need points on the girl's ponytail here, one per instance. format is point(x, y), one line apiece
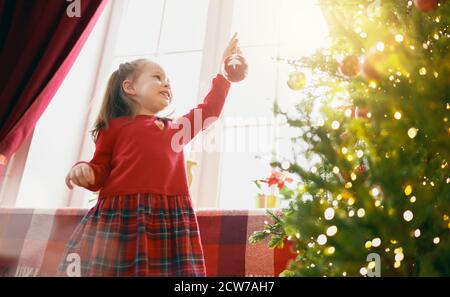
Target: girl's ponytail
point(115, 103)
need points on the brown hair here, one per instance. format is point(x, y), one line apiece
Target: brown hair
point(115, 103)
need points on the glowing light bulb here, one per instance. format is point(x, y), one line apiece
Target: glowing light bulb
point(412, 132)
point(408, 215)
point(408, 190)
point(361, 212)
point(380, 46)
point(399, 37)
point(335, 170)
point(332, 230)
point(363, 271)
point(329, 213)
point(335, 125)
point(321, 239)
point(376, 242)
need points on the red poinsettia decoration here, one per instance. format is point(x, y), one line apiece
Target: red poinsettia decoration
point(276, 178)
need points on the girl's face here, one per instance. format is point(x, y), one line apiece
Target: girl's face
point(151, 88)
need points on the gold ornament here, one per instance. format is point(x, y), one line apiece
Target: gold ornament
point(297, 80)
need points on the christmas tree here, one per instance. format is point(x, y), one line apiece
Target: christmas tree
point(374, 118)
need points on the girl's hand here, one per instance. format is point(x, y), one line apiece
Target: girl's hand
point(81, 175)
point(232, 47)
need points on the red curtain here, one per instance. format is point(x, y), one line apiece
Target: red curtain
point(39, 43)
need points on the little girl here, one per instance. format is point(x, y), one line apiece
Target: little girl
point(143, 223)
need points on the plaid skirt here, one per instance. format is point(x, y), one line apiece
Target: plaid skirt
point(140, 234)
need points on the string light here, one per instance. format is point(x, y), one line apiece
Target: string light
point(408, 215)
point(375, 192)
point(335, 125)
point(399, 37)
point(363, 271)
point(397, 115)
point(335, 170)
point(329, 213)
point(359, 153)
point(408, 190)
point(361, 212)
point(412, 132)
point(376, 242)
point(329, 251)
point(332, 230)
point(322, 239)
point(399, 257)
point(436, 240)
point(380, 46)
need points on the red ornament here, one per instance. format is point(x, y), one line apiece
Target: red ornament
point(361, 169)
point(235, 68)
point(350, 66)
point(426, 5)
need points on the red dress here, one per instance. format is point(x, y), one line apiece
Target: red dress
point(143, 223)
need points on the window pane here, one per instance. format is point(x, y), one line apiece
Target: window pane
point(254, 96)
point(140, 27)
point(256, 22)
point(184, 25)
point(302, 27)
point(183, 70)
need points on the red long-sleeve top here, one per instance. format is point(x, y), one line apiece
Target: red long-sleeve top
point(135, 155)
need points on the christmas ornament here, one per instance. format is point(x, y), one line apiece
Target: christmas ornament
point(361, 169)
point(350, 66)
point(235, 68)
point(361, 112)
point(297, 80)
point(426, 5)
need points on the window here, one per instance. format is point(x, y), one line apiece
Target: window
point(185, 37)
point(268, 29)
